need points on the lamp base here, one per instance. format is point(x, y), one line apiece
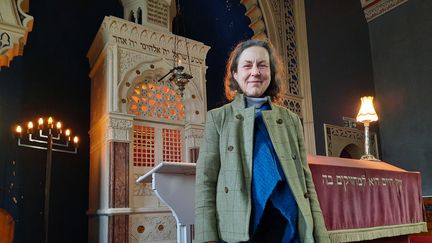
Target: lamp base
point(369, 157)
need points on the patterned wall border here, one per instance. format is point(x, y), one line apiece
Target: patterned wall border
point(375, 8)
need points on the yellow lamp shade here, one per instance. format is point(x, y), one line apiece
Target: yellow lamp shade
point(367, 111)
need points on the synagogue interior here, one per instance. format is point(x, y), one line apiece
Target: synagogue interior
point(104, 91)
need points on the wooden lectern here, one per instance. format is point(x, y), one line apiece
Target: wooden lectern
point(174, 184)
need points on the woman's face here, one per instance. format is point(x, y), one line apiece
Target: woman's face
point(253, 71)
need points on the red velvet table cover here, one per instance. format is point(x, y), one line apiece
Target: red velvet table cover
point(364, 200)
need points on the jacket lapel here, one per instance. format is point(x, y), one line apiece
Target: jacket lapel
point(248, 116)
point(281, 130)
point(278, 128)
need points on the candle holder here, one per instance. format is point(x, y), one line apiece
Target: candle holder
point(48, 138)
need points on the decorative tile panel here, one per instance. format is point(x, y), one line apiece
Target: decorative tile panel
point(152, 228)
point(142, 189)
point(119, 175)
point(119, 129)
point(118, 228)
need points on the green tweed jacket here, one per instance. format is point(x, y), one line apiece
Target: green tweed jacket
point(224, 172)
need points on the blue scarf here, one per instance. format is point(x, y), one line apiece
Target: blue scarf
point(269, 182)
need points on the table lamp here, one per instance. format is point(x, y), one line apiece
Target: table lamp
point(367, 115)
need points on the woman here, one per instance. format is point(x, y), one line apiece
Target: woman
point(253, 183)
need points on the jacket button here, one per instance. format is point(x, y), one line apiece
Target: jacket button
point(294, 156)
point(239, 117)
point(226, 189)
point(306, 195)
point(279, 121)
point(230, 148)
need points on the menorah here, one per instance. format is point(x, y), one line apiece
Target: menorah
point(50, 139)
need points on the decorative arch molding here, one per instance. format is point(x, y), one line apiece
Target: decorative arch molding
point(351, 139)
point(14, 27)
point(283, 23)
point(154, 69)
point(253, 11)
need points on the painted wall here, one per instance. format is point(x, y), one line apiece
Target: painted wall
point(401, 43)
point(340, 62)
point(390, 58)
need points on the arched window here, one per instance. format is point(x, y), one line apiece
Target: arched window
point(132, 16)
point(139, 16)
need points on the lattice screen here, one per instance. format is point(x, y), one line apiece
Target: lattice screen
point(154, 143)
point(144, 146)
point(156, 100)
point(172, 145)
point(291, 48)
